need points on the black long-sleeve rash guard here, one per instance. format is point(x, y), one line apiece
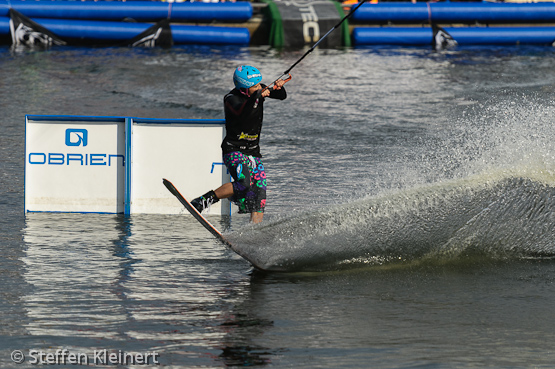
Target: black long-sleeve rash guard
point(243, 120)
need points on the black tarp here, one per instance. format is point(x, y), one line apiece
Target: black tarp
point(303, 23)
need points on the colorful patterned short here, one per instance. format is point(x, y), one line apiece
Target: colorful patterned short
point(249, 186)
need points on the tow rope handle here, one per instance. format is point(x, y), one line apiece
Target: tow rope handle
point(289, 76)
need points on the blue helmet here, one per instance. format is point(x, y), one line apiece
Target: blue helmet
point(246, 76)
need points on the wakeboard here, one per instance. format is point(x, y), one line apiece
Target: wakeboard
point(202, 220)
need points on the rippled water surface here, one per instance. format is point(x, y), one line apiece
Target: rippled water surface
point(410, 218)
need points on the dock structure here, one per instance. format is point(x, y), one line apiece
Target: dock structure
point(277, 23)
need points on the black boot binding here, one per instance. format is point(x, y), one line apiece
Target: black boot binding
point(203, 202)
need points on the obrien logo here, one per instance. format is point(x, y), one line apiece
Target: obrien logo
point(77, 137)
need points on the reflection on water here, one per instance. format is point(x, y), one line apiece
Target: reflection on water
point(103, 281)
point(65, 268)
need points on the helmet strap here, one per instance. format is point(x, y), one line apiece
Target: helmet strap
point(245, 91)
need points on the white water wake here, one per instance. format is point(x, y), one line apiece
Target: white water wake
point(488, 189)
point(505, 217)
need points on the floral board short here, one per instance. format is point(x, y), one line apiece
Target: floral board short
point(249, 182)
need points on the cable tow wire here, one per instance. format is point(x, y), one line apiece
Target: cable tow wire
point(287, 72)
